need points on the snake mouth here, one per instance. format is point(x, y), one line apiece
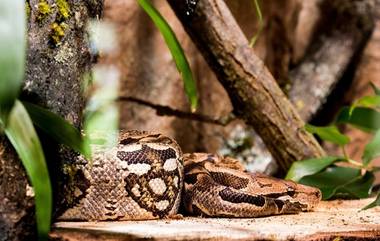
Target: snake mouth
point(309, 195)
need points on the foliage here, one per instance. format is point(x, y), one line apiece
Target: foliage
point(101, 113)
point(21, 134)
point(175, 49)
point(13, 116)
point(17, 118)
point(65, 134)
point(261, 23)
point(342, 176)
point(12, 57)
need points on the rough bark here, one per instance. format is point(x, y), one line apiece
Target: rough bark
point(277, 40)
point(333, 220)
point(54, 73)
point(16, 202)
point(343, 31)
point(254, 94)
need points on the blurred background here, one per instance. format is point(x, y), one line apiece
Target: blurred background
point(323, 54)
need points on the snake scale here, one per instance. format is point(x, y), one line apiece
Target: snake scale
point(146, 175)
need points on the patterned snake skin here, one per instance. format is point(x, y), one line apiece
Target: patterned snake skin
point(143, 178)
point(140, 178)
point(219, 187)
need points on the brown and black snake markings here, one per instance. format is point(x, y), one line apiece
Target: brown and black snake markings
point(143, 178)
point(218, 187)
point(166, 187)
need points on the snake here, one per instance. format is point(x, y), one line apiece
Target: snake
point(146, 176)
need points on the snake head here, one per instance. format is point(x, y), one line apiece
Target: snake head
point(310, 196)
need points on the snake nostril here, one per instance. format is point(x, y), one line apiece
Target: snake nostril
point(318, 194)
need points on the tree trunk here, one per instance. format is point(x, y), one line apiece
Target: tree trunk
point(55, 66)
point(254, 93)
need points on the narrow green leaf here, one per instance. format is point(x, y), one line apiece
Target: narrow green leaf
point(372, 101)
point(57, 128)
point(101, 113)
point(372, 149)
point(308, 167)
point(102, 124)
point(373, 204)
point(21, 133)
point(366, 119)
point(176, 51)
point(375, 88)
point(331, 180)
point(328, 133)
point(261, 23)
point(369, 101)
point(12, 53)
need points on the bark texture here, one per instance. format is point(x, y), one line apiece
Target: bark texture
point(54, 72)
point(254, 93)
point(343, 30)
point(16, 201)
point(333, 220)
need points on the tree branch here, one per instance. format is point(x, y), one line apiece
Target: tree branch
point(162, 110)
point(343, 31)
point(254, 93)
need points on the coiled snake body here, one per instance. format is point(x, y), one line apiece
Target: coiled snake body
point(145, 176)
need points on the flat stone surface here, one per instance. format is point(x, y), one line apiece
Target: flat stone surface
point(330, 220)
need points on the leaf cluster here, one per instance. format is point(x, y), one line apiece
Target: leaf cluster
point(341, 176)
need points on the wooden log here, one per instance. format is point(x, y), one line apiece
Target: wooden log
point(255, 95)
point(333, 220)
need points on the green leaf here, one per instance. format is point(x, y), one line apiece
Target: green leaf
point(375, 88)
point(12, 53)
point(175, 49)
point(101, 113)
point(332, 180)
point(328, 133)
point(308, 167)
point(21, 133)
point(375, 203)
point(261, 23)
point(103, 124)
point(369, 101)
point(366, 119)
point(360, 188)
point(372, 101)
point(57, 127)
point(372, 149)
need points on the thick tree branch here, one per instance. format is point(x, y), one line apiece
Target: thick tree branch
point(344, 28)
point(254, 93)
point(162, 110)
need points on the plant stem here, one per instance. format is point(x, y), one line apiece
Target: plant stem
point(261, 24)
point(345, 154)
